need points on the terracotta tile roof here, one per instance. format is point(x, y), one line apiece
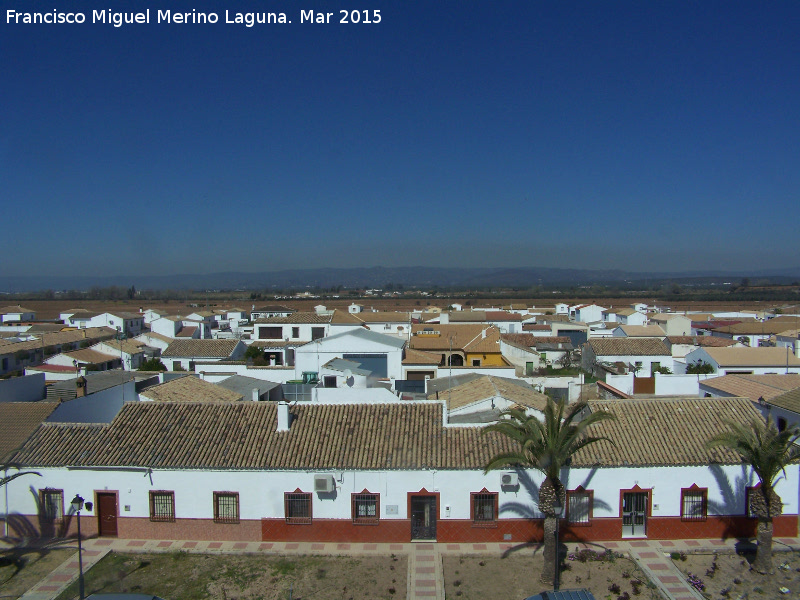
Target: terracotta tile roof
point(788, 400)
point(502, 316)
point(383, 317)
point(186, 332)
point(521, 340)
point(297, 318)
point(628, 347)
point(408, 435)
point(753, 357)
point(87, 355)
point(342, 317)
point(487, 387)
point(243, 435)
point(19, 420)
point(535, 327)
point(753, 386)
point(467, 316)
point(419, 357)
point(701, 340)
point(15, 309)
point(463, 335)
point(189, 389)
point(91, 335)
point(200, 348)
point(655, 432)
point(129, 346)
point(274, 308)
point(759, 328)
point(653, 331)
point(155, 336)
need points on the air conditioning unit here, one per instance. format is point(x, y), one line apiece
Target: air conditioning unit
point(509, 479)
point(324, 483)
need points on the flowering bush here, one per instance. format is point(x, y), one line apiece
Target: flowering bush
point(696, 582)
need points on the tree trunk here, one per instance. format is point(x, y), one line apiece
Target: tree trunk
point(765, 504)
point(763, 562)
point(548, 492)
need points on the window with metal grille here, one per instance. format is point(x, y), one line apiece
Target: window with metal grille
point(52, 502)
point(366, 508)
point(693, 504)
point(484, 508)
point(226, 507)
point(579, 507)
point(297, 506)
point(162, 506)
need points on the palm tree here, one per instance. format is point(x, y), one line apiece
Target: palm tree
point(767, 451)
point(546, 446)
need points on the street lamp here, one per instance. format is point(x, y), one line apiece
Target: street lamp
point(558, 509)
point(77, 506)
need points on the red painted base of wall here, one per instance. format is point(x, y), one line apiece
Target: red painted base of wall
point(399, 530)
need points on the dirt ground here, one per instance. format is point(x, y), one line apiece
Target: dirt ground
point(182, 576)
point(728, 576)
point(517, 577)
point(19, 572)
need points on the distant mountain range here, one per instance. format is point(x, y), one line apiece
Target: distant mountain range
point(380, 277)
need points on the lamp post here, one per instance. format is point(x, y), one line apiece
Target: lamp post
point(77, 506)
point(558, 509)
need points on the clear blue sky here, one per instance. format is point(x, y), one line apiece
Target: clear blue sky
point(634, 135)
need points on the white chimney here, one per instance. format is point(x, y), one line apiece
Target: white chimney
point(483, 333)
point(255, 395)
point(283, 416)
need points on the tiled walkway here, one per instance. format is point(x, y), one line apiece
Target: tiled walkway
point(425, 579)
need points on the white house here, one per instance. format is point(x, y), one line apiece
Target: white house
point(641, 355)
point(298, 327)
point(586, 313)
point(187, 354)
point(384, 472)
point(131, 352)
point(273, 310)
point(625, 316)
point(131, 324)
point(673, 324)
point(380, 354)
point(10, 314)
point(758, 361)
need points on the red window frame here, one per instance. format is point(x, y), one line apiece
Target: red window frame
point(482, 499)
point(694, 490)
point(365, 498)
point(297, 500)
point(585, 521)
point(167, 499)
point(233, 498)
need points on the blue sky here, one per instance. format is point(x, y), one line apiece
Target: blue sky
point(632, 135)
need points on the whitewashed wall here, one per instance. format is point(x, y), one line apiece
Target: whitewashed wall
point(261, 493)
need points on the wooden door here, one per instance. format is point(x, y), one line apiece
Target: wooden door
point(107, 514)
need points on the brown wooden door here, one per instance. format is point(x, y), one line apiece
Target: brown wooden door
point(107, 514)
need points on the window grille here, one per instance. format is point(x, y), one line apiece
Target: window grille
point(162, 506)
point(484, 507)
point(52, 504)
point(298, 507)
point(365, 508)
point(693, 506)
point(579, 506)
point(226, 507)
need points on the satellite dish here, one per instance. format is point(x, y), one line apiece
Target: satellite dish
point(348, 378)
